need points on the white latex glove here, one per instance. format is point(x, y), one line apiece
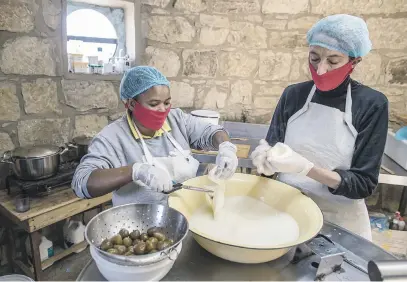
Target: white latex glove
point(153, 177)
point(259, 159)
point(226, 161)
point(284, 159)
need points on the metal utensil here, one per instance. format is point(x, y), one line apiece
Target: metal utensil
point(34, 162)
point(137, 217)
point(179, 186)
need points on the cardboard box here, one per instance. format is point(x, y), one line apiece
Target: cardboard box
point(393, 241)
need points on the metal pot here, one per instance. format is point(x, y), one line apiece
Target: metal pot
point(81, 144)
point(34, 162)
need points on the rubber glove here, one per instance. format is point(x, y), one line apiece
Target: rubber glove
point(259, 159)
point(284, 159)
point(153, 177)
point(226, 161)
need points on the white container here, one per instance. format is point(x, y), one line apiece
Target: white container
point(15, 277)
point(93, 60)
point(74, 233)
point(207, 115)
point(116, 272)
point(396, 149)
point(107, 68)
point(46, 248)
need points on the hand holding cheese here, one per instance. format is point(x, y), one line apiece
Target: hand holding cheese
point(283, 159)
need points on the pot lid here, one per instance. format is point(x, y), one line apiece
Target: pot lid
point(205, 114)
point(82, 140)
point(35, 151)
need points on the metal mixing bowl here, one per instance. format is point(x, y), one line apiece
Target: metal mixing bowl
point(136, 216)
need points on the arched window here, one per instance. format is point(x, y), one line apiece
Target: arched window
point(91, 33)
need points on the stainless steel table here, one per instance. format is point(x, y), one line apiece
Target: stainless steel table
point(250, 134)
point(196, 264)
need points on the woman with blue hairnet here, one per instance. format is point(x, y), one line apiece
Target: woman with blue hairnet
point(327, 136)
point(141, 155)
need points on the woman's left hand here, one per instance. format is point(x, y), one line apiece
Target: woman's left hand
point(286, 160)
point(226, 161)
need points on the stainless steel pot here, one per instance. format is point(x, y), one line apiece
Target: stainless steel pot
point(81, 144)
point(34, 162)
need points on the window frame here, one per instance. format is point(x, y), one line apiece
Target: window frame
point(133, 31)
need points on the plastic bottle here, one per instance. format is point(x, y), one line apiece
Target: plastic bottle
point(395, 221)
point(46, 248)
point(402, 224)
point(74, 233)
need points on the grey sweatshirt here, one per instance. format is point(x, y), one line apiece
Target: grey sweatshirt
point(115, 147)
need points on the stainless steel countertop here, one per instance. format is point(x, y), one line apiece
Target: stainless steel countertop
point(196, 264)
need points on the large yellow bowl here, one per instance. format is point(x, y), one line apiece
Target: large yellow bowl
point(274, 193)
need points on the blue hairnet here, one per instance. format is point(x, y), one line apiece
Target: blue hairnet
point(139, 79)
point(343, 33)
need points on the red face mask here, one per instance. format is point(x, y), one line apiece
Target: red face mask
point(149, 118)
point(331, 79)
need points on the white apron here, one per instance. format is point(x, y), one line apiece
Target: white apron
point(326, 137)
point(180, 165)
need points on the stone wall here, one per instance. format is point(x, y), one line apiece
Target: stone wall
point(237, 56)
point(37, 104)
point(234, 56)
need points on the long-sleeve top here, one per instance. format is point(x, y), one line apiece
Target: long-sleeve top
point(115, 146)
point(369, 117)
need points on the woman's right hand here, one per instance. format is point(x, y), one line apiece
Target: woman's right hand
point(153, 177)
point(259, 159)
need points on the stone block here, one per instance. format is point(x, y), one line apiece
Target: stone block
point(168, 62)
point(212, 36)
point(40, 96)
point(182, 94)
point(247, 35)
point(284, 6)
point(274, 65)
point(194, 6)
point(87, 95)
point(17, 15)
point(43, 131)
point(51, 12)
point(212, 95)
point(170, 29)
point(158, 3)
point(28, 56)
point(275, 24)
point(388, 33)
point(396, 71)
point(397, 99)
point(236, 6)
point(198, 63)
point(9, 106)
point(5, 143)
point(240, 93)
point(303, 23)
point(253, 18)
point(237, 63)
point(116, 116)
point(369, 70)
point(366, 7)
point(89, 125)
point(300, 66)
point(214, 20)
point(287, 39)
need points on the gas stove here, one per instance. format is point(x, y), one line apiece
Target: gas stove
point(43, 187)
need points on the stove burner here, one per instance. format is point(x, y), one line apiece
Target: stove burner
point(43, 187)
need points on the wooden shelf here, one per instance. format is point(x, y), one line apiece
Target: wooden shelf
point(48, 262)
